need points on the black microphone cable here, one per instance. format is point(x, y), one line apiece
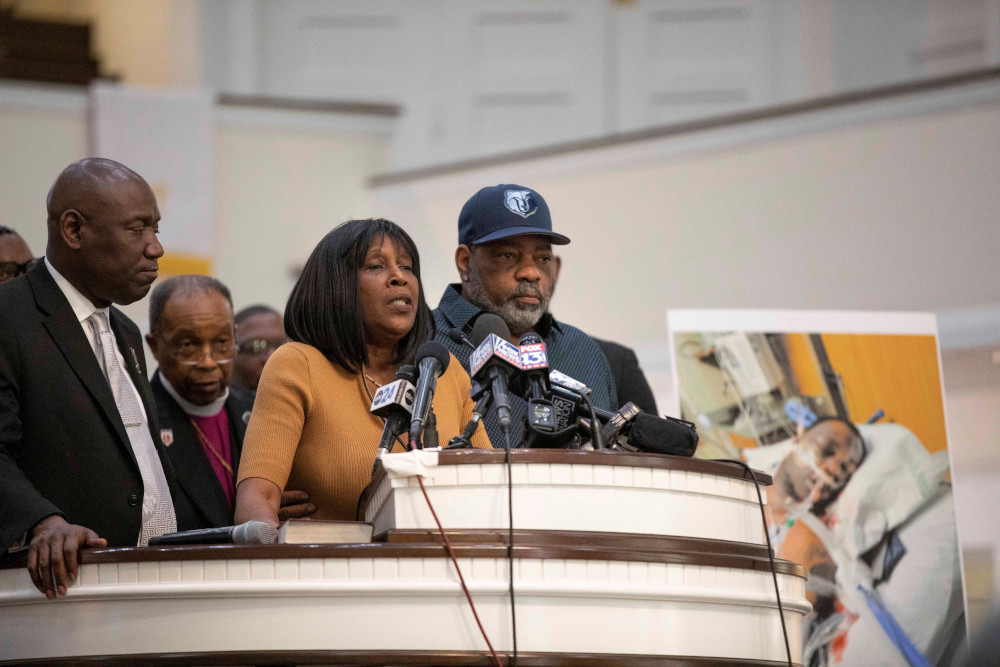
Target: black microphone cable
point(595, 426)
point(510, 544)
point(770, 551)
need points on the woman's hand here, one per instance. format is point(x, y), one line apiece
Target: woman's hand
point(257, 499)
point(295, 505)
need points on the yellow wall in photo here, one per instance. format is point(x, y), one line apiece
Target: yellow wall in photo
point(798, 347)
point(897, 374)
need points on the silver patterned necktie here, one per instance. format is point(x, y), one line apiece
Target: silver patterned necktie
point(157, 508)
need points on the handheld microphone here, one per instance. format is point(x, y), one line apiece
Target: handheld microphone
point(432, 360)
point(493, 362)
point(251, 532)
point(458, 336)
point(394, 403)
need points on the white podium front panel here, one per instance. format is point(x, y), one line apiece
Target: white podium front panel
point(574, 490)
point(396, 598)
point(617, 559)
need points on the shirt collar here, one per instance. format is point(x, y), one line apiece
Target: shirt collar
point(210, 410)
point(81, 305)
point(462, 313)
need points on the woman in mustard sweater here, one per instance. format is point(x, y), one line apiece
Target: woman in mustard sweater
point(355, 315)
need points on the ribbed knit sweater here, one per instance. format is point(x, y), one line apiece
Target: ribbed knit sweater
point(311, 428)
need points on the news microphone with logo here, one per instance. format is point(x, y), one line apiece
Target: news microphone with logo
point(251, 532)
point(394, 403)
point(493, 362)
point(567, 396)
point(572, 400)
point(541, 423)
point(432, 360)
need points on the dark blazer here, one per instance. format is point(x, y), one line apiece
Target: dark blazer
point(629, 378)
point(63, 447)
point(199, 501)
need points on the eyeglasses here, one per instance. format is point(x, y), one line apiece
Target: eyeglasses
point(10, 270)
point(260, 345)
point(191, 354)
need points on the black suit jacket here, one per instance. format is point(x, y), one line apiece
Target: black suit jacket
point(63, 446)
point(629, 378)
point(200, 501)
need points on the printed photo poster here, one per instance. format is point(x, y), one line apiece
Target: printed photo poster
point(846, 412)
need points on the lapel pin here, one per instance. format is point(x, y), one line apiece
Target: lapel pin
point(167, 436)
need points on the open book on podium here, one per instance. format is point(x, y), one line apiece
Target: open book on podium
point(308, 531)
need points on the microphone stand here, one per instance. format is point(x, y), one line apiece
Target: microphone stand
point(430, 431)
point(464, 440)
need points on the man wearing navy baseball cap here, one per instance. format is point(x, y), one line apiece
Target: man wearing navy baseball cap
point(507, 268)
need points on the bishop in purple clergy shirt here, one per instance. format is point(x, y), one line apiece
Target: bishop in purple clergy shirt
point(202, 418)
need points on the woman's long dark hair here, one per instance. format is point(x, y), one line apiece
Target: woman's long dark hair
point(324, 309)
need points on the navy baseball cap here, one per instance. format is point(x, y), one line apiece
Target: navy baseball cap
point(501, 211)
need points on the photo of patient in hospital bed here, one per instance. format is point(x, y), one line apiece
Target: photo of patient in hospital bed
point(851, 429)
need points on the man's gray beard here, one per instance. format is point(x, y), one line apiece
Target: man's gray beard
point(519, 317)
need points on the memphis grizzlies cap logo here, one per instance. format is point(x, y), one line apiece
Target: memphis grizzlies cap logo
point(521, 202)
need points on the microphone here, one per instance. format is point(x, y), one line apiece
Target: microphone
point(534, 365)
point(570, 403)
point(251, 532)
point(458, 336)
point(658, 435)
point(566, 382)
point(432, 360)
point(619, 422)
point(394, 403)
point(492, 363)
point(540, 418)
point(570, 398)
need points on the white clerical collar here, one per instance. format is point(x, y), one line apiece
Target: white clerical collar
point(210, 410)
point(81, 305)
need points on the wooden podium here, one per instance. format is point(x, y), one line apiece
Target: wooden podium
point(618, 559)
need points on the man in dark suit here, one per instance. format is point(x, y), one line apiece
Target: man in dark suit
point(203, 417)
point(79, 465)
point(630, 381)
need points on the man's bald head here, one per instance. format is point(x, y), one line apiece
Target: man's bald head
point(102, 224)
point(85, 183)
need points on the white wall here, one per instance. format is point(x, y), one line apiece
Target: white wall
point(281, 188)
point(42, 130)
point(484, 77)
point(972, 395)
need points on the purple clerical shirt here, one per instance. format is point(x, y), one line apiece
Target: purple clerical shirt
point(216, 429)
